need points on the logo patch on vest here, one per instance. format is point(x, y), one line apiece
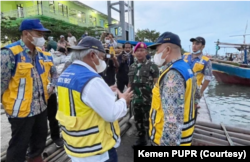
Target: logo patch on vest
point(190, 71)
point(23, 58)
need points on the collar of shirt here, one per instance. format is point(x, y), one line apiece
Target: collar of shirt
point(143, 62)
point(200, 56)
point(170, 63)
point(26, 49)
point(84, 64)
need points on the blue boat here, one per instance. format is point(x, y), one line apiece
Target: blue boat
point(232, 72)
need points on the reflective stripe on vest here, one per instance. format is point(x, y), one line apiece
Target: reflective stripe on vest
point(84, 131)
point(156, 118)
point(18, 97)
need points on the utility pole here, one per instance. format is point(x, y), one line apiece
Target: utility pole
point(125, 29)
point(217, 48)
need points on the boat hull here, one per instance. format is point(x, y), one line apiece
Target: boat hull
point(230, 79)
point(231, 74)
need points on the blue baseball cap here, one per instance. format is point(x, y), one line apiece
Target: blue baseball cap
point(32, 24)
point(89, 42)
point(167, 37)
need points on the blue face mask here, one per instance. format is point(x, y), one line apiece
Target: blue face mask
point(197, 52)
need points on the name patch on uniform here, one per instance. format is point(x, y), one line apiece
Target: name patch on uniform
point(47, 60)
point(64, 80)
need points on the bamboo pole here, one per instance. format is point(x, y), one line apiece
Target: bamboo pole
point(229, 128)
point(232, 134)
point(49, 150)
point(124, 128)
point(199, 142)
point(56, 157)
point(63, 158)
point(213, 140)
point(53, 155)
point(220, 136)
point(124, 120)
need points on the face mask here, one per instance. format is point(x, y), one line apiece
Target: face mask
point(197, 52)
point(157, 58)
point(107, 41)
point(102, 65)
point(39, 42)
point(128, 52)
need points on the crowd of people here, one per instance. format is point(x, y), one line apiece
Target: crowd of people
point(85, 86)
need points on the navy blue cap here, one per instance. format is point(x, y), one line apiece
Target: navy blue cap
point(89, 42)
point(198, 39)
point(167, 37)
point(32, 24)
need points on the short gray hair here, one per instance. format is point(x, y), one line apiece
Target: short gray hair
point(80, 54)
point(50, 38)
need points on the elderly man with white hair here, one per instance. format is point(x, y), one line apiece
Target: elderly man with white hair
point(88, 109)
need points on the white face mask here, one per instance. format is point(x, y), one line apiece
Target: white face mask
point(38, 42)
point(107, 41)
point(197, 52)
point(101, 67)
point(158, 60)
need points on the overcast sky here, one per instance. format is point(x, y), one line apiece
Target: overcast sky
point(211, 19)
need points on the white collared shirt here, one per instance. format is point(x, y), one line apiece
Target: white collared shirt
point(99, 96)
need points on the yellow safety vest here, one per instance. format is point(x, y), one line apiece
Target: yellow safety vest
point(156, 118)
point(197, 67)
point(18, 96)
point(84, 131)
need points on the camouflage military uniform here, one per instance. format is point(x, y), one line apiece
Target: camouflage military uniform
point(141, 79)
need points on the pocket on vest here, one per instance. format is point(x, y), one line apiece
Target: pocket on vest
point(198, 67)
point(23, 70)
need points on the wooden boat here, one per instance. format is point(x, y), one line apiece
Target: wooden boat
point(232, 72)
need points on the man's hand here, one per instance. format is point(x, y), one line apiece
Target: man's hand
point(201, 93)
point(124, 57)
point(127, 95)
point(114, 57)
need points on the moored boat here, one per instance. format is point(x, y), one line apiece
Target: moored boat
point(233, 72)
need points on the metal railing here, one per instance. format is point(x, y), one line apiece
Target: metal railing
point(39, 10)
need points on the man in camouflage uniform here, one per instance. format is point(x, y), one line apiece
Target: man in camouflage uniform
point(143, 74)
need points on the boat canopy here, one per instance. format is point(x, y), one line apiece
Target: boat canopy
point(240, 47)
point(134, 43)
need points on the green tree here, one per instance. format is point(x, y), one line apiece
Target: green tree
point(146, 35)
point(183, 51)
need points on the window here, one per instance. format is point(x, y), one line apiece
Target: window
point(72, 12)
point(92, 20)
point(20, 10)
point(62, 9)
point(52, 8)
point(51, 2)
point(81, 17)
point(102, 23)
point(65, 9)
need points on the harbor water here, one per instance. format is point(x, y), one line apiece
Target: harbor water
point(229, 104)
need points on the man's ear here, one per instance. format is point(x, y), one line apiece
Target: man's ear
point(92, 56)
